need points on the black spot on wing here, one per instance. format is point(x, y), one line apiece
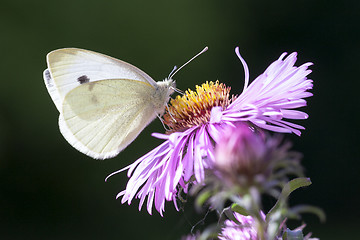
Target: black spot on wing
point(83, 79)
point(47, 77)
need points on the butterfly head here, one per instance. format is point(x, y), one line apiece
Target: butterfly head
point(162, 94)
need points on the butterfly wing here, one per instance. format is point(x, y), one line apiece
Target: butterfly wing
point(103, 102)
point(101, 118)
point(70, 67)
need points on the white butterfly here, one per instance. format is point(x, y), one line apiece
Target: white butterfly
point(104, 103)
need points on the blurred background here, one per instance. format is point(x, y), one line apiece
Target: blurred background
point(48, 190)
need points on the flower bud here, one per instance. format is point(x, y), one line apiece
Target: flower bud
point(246, 157)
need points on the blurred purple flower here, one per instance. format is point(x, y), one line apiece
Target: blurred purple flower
point(196, 121)
point(246, 157)
point(245, 229)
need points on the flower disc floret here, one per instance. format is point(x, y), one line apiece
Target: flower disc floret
point(194, 107)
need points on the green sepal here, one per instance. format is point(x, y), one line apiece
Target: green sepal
point(293, 235)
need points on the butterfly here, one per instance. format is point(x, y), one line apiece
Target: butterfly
point(104, 103)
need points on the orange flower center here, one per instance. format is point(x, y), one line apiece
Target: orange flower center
point(194, 107)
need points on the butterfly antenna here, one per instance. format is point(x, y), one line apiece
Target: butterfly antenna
point(174, 88)
point(170, 74)
point(175, 70)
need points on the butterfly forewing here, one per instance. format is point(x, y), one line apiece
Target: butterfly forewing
point(71, 67)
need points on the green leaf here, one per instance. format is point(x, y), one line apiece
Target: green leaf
point(230, 214)
point(288, 189)
point(239, 209)
point(276, 214)
point(295, 184)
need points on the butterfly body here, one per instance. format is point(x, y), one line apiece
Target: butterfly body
point(104, 103)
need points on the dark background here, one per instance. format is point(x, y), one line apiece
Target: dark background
point(48, 190)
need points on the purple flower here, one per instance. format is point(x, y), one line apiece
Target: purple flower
point(197, 119)
point(273, 95)
point(245, 229)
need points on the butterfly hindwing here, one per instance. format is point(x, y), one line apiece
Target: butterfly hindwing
point(101, 118)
